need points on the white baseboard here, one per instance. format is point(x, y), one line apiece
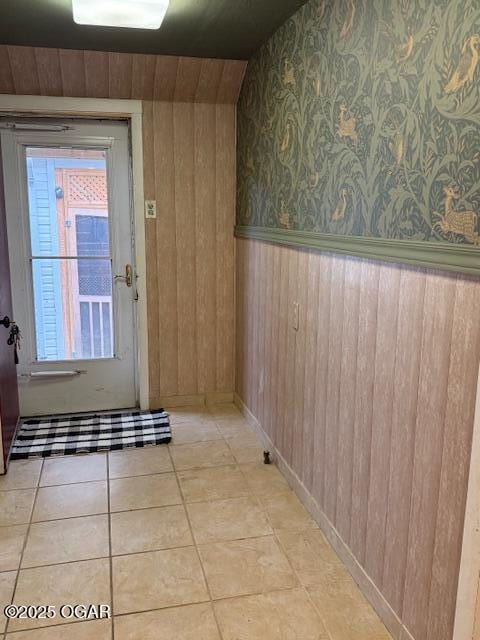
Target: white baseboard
point(363, 580)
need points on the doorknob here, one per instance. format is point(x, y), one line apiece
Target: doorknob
point(128, 277)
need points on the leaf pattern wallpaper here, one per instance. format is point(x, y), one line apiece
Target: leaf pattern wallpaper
point(362, 118)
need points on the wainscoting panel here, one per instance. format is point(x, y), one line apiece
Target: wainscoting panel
point(370, 403)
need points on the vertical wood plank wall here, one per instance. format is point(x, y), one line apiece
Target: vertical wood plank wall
point(371, 404)
point(189, 169)
point(476, 630)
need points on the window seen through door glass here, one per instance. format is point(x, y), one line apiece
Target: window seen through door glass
point(70, 253)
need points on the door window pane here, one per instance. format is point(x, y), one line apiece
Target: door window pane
point(73, 323)
point(68, 213)
point(66, 188)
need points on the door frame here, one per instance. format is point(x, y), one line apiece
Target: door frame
point(132, 111)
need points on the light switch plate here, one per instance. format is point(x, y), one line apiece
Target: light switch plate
point(150, 209)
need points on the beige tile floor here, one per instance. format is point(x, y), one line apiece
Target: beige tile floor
point(198, 540)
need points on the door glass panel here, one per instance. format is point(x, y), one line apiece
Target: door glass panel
point(73, 308)
point(70, 253)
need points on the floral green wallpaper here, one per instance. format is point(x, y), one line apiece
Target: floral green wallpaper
point(362, 118)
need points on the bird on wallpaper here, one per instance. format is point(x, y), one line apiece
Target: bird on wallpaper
point(466, 66)
point(397, 148)
point(286, 138)
point(339, 213)
point(404, 50)
point(347, 126)
point(348, 24)
point(288, 74)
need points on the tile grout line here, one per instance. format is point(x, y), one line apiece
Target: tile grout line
point(110, 560)
point(295, 573)
point(303, 587)
point(25, 541)
point(187, 515)
point(237, 464)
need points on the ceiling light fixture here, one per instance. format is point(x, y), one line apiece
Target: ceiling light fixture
point(130, 14)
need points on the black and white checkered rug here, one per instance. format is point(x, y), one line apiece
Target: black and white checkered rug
point(66, 435)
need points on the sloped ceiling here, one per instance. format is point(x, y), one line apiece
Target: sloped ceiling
point(228, 29)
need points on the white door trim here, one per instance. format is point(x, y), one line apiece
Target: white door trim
point(131, 109)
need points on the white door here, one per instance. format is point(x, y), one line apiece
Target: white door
point(67, 189)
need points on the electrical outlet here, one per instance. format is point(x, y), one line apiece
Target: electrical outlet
point(296, 316)
point(150, 209)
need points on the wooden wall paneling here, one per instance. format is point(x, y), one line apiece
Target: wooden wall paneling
point(231, 82)
point(333, 383)
point(24, 70)
point(151, 249)
point(292, 258)
point(251, 372)
point(120, 75)
point(366, 345)
point(383, 389)
point(240, 310)
point(188, 76)
point(191, 242)
point(72, 70)
point(6, 77)
point(143, 76)
point(259, 325)
point(309, 396)
point(166, 70)
point(457, 441)
point(402, 450)
point(268, 326)
point(97, 74)
point(325, 263)
point(346, 416)
point(249, 343)
point(184, 162)
point(476, 629)
point(404, 411)
point(166, 303)
point(310, 316)
point(205, 249)
point(265, 315)
point(242, 313)
point(47, 62)
point(271, 424)
point(254, 310)
point(432, 401)
point(298, 421)
point(225, 176)
point(209, 81)
point(283, 329)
